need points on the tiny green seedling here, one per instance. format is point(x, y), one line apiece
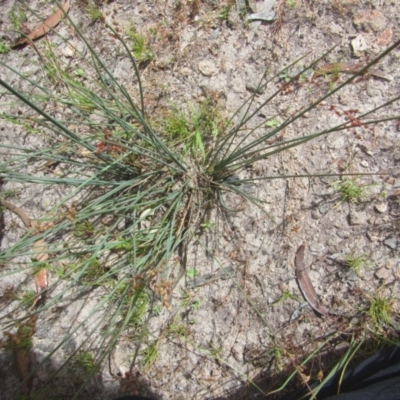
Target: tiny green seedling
point(136, 316)
point(193, 128)
point(335, 71)
point(356, 263)
point(195, 304)
point(94, 271)
point(224, 12)
point(17, 17)
point(272, 123)
point(276, 354)
point(383, 195)
point(84, 229)
point(9, 194)
point(214, 351)
point(192, 273)
point(140, 49)
point(351, 191)
point(177, 329)
point(284, 75)
point(286, 295)
point(176, 124)
point(79, 72)
point(28, 299)
point(4, 48)
point(208, 225)
point(380, 310)
point(150, 354)
point(291, 3)
point(85, 362)
point(123, 245)
point(22, 338)
point(94, 13)
point(189, 301)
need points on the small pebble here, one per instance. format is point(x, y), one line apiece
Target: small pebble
point(381, 208)
point(336, 256)
point(359, 45)
point(391, 242)
point(358, 217)
point(317, 248)
point(373, 236)
point(383, 273)
point(324, 208)
point(68, 51)
point(343, 234)
point(207, 67)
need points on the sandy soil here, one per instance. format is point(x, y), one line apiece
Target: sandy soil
point(236, 331)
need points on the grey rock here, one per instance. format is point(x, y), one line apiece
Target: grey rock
point(358, 218)
point(336, 143)
point(381, 207)
point(391, 242)
point(359, 45)
point(335, 29)
point(317, 248)
point(348, 275)
point(373, 236)
point(263, 16)
point(336, 256)
point(343, 234)
point(315, 214)
point(207, 67)
point(383, 273)
point(324, 208)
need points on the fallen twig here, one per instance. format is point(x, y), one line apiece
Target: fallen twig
point(349, 68)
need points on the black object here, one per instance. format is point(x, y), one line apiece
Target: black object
point(376, 378)
point(132, 397)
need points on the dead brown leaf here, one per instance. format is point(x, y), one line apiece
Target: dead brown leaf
point(40, 252)
point(320, 375)
point(18, 211)
point(304, 282)
point(41, 281)
point(44, 27)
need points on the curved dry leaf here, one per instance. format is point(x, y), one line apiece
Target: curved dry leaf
point(40, 251)
point(18, 211)
point(48, 24)
point(305, 284)
point(41, 281)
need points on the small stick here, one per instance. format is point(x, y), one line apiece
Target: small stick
point(349, 68)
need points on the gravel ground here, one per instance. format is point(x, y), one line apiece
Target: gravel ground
point(229, 332)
